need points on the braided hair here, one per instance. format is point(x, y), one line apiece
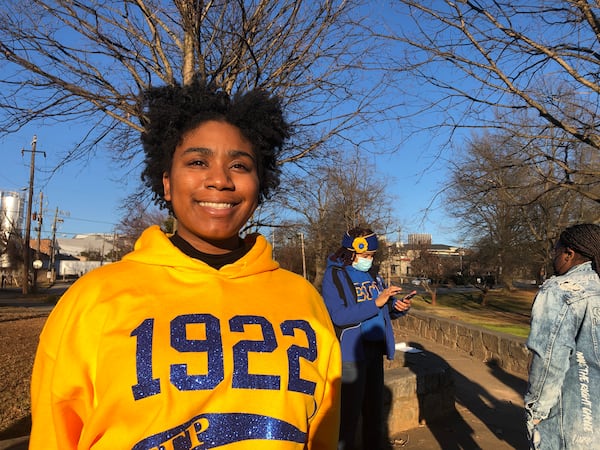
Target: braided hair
point(585, 240)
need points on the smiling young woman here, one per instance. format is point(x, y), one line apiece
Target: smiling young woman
point(198, 338)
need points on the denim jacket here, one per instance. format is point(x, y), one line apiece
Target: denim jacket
point(564, 374)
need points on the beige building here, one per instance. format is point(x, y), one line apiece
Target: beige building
point(397, 266)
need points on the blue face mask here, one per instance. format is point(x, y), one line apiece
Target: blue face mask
point(363, 264)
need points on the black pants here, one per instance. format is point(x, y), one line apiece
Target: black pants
point(362, 397)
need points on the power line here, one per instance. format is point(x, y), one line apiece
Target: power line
point(92, 221)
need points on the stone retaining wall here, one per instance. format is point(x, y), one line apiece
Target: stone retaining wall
point(506, 351)
point(420, 386)
point(419, 389)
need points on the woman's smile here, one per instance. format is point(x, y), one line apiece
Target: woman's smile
point(215, 168)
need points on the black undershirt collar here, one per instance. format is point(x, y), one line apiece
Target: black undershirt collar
point(215, 261)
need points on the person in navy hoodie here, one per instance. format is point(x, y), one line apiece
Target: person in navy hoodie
point(361, 307)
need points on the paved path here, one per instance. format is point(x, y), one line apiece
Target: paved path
point(488, 404)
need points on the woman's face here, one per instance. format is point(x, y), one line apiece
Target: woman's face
point(213, 186)
point(563, 257)
point(366, 255)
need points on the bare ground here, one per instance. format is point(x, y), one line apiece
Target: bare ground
point(19, 332)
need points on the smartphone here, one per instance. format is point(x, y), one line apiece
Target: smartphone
point(409, 296)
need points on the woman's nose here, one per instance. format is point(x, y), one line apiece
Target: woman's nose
point(218, 178)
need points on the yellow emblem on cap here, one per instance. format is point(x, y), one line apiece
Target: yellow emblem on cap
point(360, 245)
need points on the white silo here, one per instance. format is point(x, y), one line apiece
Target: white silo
point(11, 212)
point(11, 220)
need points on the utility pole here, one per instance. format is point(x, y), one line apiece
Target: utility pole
point(115, 249)
point(26, 250)
point(39, 218)
point(102, 249)
point(301, 234)
point(53, 247)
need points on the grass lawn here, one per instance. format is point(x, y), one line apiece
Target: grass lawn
point(505, 311)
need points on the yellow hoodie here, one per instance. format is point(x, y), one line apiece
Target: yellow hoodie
point(161, 351)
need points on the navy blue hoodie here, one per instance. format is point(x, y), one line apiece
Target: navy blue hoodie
point(355, 312)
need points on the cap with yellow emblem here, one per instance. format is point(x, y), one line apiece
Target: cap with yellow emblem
point(361, 244)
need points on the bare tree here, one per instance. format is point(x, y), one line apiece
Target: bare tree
point(137, 218)
point(526, 68)
point(481, 199)
point(508, 211)
point(11, 251)
point(427, 265)
point(332, 199)
point(86, 62)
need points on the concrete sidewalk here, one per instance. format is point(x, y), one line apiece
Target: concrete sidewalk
point(489, 406)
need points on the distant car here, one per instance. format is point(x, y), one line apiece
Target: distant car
point(420, 281)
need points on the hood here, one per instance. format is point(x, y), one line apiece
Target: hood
point(334, 262)
point(154, 248)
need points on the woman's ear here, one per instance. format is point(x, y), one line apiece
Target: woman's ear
point(569, 254)
point(166, 186)
point(572, 257)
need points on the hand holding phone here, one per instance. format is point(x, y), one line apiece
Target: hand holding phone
point(409, 296)
point(404, 304)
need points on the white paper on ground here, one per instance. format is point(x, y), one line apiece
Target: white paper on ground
point(402, 347)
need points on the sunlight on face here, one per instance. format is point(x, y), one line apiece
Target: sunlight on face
point(213, 186)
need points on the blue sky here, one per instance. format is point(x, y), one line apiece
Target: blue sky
point(88, 195)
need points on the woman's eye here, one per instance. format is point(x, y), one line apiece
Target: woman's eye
point(240, 166)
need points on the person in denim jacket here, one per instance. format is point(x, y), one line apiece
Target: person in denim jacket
point(562, 402)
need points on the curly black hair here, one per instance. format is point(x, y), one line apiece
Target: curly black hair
point(169, 112)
